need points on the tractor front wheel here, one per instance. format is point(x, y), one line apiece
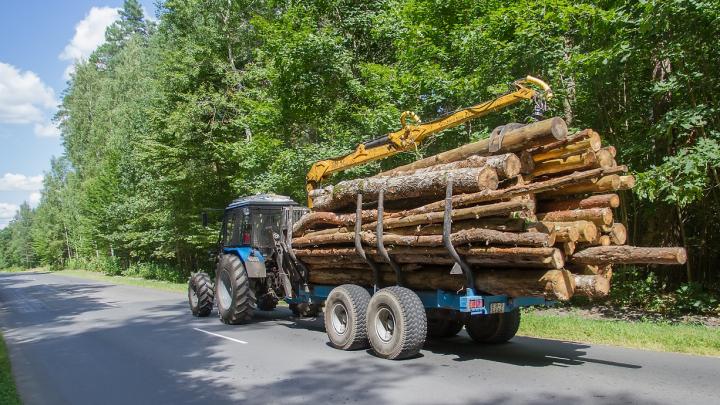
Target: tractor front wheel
point(201, 294)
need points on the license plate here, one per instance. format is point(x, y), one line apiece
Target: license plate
point(497, 307)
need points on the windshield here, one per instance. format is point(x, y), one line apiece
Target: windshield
point(264, 223)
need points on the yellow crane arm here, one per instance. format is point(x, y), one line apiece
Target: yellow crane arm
point(410, 136)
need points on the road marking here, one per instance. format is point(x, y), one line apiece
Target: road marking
point(221, 336)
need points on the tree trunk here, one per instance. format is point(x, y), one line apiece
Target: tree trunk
point(507, 165)
point(595, 201)
point(603, 185)
point(630, 255)
point(599, 216)
point(310, 219)
point(534, 134)
point(584, 140)
point(426, 185)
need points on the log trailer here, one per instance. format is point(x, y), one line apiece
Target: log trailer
point(257, 267)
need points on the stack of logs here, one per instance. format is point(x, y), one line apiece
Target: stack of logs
point(532, 215)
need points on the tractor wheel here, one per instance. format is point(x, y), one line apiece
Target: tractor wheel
point(397, 323)
point(345, 312)
point(200, 294)
point(495, 328)
point(236, 299)
point(443, 328)
point(305, 310)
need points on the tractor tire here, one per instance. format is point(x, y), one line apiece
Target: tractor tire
point(305, 310)
point(201, 294)
point(397, 323)
point(443, 328)
point(345, 312)
point(495, 328)
point(235, 298)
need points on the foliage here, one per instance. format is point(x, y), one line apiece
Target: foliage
point(226, 98)
point(8, 392)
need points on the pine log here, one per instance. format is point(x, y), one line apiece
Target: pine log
point(586, 230)
point(627, 182)
point(612, 150)
point(568, 248)
point(497, 224)
point(507, 165)
point(479, 211)
point(605, 158)
point(584, 140)
point(566, 234)
point(431, 184)
point(605, 184)
point(604, 270)
point(527, 136)
point(329, 218)
point(592, 286)
point(594, 201)
point(584, 161)
point(558, 183)
point(630, 255)
point(527, 165)
point(599, 216)
point(618, 234)
point(553, 284)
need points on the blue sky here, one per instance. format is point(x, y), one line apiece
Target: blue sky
point(39, 43)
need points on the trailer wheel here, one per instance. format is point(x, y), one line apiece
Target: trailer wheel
point(493, 329)
point(200, 294)
point(345, 311)
point(305, 310)
point(397, 323)
point(236, 299)
point(443, 328)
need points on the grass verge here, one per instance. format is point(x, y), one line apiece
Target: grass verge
point(134, 281)
point(8, 393)
point(667, 337)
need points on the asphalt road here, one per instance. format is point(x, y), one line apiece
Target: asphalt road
point(74, 341)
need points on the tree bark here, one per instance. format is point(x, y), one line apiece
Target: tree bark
point(629, 255)
point(599, 216)
point(595, 201)
point(530, 135)
point(627, 182)
point(587, 231)
point(605, 184)
point(591, 286)
point(618, 234)
point(507, 165)
point(586, 139)
point(330, 218)
point(431, 184)
point(497, 224)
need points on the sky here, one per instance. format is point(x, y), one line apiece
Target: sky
point(40, 41)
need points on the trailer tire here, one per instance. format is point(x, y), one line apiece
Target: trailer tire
point(443, 328)
point(345, 312)
point(397, 323)
point(305, 310)
point(236, 299)
point(493, 329)
point(201, 294)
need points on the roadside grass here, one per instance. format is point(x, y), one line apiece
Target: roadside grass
point(667, 337)
point(126, 280)
point(8, 393)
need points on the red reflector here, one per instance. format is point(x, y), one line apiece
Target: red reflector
point(246, 239)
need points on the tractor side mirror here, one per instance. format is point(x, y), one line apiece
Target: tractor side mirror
point(204, 219)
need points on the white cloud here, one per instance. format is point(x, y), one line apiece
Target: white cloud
point(24, 98)
point(49, 130)
point(34, 199)
point(20, 182)
point(89, 34)
point(7, 213)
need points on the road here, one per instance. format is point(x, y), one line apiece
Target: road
point(75, 341)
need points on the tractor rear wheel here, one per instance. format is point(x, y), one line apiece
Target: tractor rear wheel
point(397, 323)
point(345, 312)
point(495, 328)
point(236, 298)
point(200, 294)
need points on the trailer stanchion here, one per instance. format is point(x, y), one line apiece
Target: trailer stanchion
point(379, 233)
point(358, 244)
point(447, 242)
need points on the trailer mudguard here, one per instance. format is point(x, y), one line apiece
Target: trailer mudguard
point(252, 259)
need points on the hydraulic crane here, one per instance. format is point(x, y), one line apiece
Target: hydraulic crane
point(409, 137)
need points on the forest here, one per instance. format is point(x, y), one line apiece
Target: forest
point(223, 98)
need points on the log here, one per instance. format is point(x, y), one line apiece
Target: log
point(584, 161)
point(605, 184)
point(330, 218)
point(630, 255)
point(479, 211)
point(591, 286)
point(507, 165)
point(626, 182)
point(549, 258)
point(568, 248)
point(558, 183)
point(582, 141)
point(594, 201)
point(530, 135)
point(618, 234)
point(426, 185)
point(611, 149)
point(497, 224)
point(605, 158)
point(553, 284)
point(566, 234)
point(599, 216)
point(586, 230)
point(604, 270)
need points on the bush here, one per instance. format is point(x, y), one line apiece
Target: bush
point(155, 271)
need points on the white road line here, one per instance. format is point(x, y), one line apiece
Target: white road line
point(221, 336)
